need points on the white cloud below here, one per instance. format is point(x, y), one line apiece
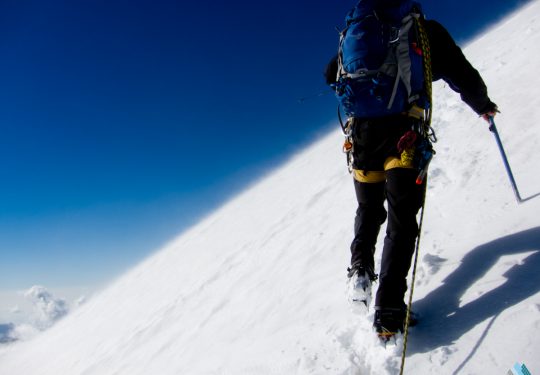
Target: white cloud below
point(25, 314)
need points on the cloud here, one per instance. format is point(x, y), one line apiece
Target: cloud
point(14, 332)
point(6, 333)
point(15, 310)
point(47, 308)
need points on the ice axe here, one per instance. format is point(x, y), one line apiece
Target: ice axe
point(493, 129)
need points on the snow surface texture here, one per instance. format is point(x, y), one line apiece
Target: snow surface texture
point(258, 287)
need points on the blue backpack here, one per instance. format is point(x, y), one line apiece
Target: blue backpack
point(380, 61)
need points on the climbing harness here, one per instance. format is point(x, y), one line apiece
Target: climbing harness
point(348, 145)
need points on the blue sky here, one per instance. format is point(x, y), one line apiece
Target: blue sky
point(123, 122)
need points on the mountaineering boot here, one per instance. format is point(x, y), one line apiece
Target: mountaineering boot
point(389, 322)
point(359, 283)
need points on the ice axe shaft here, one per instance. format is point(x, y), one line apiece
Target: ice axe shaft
point(493, 129)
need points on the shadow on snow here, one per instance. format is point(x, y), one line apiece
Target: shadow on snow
point(444, 321)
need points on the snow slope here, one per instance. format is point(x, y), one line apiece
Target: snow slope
point(258, 287)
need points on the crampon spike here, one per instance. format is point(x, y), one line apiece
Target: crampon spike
point(387, 337)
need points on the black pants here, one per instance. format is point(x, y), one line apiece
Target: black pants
point(404, 199)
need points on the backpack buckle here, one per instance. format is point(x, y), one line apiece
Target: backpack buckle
point(416, 112)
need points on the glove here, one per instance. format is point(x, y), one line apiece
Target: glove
point(490, 111)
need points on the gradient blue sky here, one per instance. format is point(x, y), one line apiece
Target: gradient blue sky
point(123, 122)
